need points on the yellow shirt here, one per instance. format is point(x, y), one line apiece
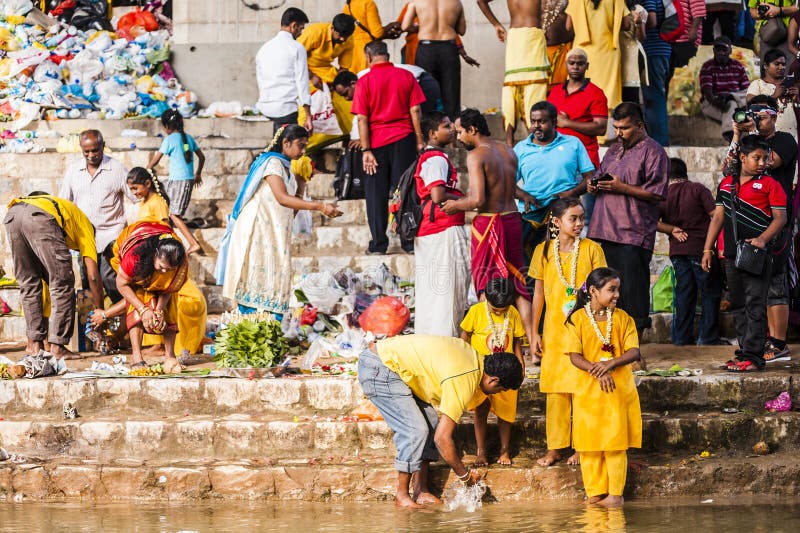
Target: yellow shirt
point(603, 421)
point(154, 209)
point(365, 12)
point(441, 371)
point(557, 373)
point(316, 39)
point(78, 231)
point(477, 325)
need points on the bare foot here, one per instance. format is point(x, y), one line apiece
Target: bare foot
point(33, 347)
point(536, 360)
point(575, 459)
point(62, 352)
point(595, 499)
point(404, 500)
point(552, 456)
point(172, 366)
point(480, 459)
point(504, 459)
point(156, 350)
point(612, 501)
point(426, 498)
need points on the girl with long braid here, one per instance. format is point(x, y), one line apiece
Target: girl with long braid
point(254, 263)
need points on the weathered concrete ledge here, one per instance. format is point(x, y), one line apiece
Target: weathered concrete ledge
point(777, 475)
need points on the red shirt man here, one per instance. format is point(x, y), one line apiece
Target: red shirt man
point(582, 105)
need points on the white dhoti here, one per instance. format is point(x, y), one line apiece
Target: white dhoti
point(442, 281)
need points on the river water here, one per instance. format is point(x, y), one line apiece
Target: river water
point(288, 516)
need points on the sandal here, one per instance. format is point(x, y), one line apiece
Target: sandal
point(745, 366)
point(730, 365)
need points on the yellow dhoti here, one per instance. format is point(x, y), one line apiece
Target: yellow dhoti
point(503, 404)
point(526, 75)
point(604, 472)
point(558, 420)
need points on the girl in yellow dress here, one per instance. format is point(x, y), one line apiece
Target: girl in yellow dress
point(607, 420)
point(493, 326)
point(555, 290)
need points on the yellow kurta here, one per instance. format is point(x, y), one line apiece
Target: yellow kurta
point(603, 421)
point(597, 32)
point(557, 373)
point(189, 302)
point(365, 12)
point(503, 404)
point(316, 39)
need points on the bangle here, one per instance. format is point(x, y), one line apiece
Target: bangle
point(142, 310)
point(366, 149)
point(103, 314)
point(464, 477)
point(708, 251)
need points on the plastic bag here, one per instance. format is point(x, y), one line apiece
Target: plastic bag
point(323, 116)
point(663, 291)
point(136, 22)
point(302, 224)
point(18, 8)
point(321, 290)
point(385, 316)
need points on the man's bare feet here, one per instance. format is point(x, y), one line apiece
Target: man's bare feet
point(156, 350)
point(552, 456)
point(33, 347)
point(172, 366)
point(480, 458)
point(504, 459)
point(575, 459)
point(595, 499)
point(612, 501)
point(62, 352)
point(426, 498)
point(404, 500)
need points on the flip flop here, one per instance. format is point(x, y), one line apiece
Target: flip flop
point(745, 366)
point(730, 365)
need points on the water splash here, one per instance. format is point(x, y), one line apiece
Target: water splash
point(459, 496)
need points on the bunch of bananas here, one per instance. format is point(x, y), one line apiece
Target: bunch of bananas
point(4, 372)
point(147, 371)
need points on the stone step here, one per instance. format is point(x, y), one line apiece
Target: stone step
point(337, 396)
point(331, 479)
point(191, 438)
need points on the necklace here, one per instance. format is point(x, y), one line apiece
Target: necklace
point(551, 12)
point(607, 346)
point(497, 339)
point(569, 284)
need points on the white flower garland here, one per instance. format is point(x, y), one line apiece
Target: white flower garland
point(497, 340)
point(607, 347)
point(570, 285)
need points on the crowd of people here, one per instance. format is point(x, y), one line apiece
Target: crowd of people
point(561, 239)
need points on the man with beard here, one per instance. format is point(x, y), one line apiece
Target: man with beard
point(497, 228)
point(551, 166)
point(630, 183)
point(527, 66)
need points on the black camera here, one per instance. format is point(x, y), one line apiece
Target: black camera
point(742, 115)
point(762, 10)
point(597, 179)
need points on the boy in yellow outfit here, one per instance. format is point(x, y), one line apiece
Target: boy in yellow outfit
point(556, 285)
point(602, 342)
point(503, 334)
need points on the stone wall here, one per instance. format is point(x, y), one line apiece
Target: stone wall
point(215, 43)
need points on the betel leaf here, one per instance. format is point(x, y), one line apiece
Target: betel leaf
point(251, 344)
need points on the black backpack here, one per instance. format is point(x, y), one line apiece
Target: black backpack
point(349, 181)
point(406, 206)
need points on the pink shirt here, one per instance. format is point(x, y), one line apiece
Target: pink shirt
point(385, 95)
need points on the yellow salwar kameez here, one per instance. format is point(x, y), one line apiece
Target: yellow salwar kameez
point(503, 404)
point(558, 376)
point(365, 12)
point(191, 304)
point(605, 424)
point(597, 32)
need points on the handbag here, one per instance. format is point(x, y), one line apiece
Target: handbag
point(774, 31)
point(349, 181)
point(749, 258)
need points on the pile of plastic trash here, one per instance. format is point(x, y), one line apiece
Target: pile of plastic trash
point(52, 66)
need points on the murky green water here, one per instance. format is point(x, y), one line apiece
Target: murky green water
point(370, 517)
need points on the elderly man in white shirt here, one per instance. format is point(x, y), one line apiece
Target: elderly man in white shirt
point(282, 73)
point(97, 184)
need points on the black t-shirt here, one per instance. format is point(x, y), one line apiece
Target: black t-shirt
point(785, 146)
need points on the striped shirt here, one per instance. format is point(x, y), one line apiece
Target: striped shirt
point(692, 9)
point(723, 79)
point(101, 197)
point(654, 45)
point(756, 200)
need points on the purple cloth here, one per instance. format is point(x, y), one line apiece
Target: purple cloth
point(624, 219)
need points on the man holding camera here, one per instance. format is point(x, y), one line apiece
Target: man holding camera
point(723, 82)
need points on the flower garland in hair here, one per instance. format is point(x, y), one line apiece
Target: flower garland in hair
point(606, 340)
point(275, 138)
point(569, 284)
point(497, 339)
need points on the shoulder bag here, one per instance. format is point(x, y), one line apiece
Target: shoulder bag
point(774, 31)
point(749, 258)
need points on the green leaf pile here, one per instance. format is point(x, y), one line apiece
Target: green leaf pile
point(251, 344)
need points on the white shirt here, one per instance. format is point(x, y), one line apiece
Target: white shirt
point(282, 75)
point(101, 197)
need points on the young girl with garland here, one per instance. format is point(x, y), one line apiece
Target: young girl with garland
point(602, 342)
point(555, 290)
point(493, 326)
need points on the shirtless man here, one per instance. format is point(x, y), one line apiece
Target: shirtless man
point(492, 168)
point(527, 66)
point(440, 21)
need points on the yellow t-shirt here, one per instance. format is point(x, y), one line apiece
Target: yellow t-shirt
point(316, 39)
point(78, 230)
point(603, 421)
point(154, 209)
point(441, 371)
point(557, 373)
point(477, 325)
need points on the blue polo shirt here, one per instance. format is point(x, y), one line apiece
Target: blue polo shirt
point(544, 171)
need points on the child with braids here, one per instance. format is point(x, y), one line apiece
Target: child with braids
point(602, 342)
point(557, 266)
point(181, 148)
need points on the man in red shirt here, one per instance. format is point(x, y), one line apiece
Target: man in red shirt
point(582, 106)
point(387, 102)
